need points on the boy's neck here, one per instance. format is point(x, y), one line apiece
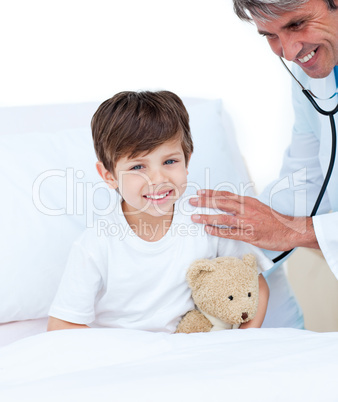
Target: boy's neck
point(147, 227)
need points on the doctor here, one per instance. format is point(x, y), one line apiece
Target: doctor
point(306, 33)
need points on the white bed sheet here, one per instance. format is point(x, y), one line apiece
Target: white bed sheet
point(14, 331)
point(123, 365)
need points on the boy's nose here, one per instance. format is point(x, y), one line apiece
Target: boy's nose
point(157, 176)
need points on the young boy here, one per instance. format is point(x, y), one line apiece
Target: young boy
point(135, 278)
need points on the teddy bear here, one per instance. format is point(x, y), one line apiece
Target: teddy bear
point(225, 292)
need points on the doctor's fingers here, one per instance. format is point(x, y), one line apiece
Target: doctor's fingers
point(243, 232)
point(218, 219)
point(257, 233)
point(234, 204)
point(216, 193)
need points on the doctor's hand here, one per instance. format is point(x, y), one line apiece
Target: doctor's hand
point(251, 221)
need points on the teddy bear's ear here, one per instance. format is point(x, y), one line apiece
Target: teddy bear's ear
point(197, 269)
point(250, 261)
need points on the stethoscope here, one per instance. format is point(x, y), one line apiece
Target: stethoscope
point(310, 96)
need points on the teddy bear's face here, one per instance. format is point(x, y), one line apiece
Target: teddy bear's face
point(226, 288)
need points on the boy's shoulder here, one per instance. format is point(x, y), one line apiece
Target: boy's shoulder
point(182, 219)
point(98, 232)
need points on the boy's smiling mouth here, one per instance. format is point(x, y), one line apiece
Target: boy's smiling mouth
point(159, 196)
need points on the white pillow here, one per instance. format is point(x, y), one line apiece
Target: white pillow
point(51, 192)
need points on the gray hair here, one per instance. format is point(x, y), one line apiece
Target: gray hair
point(245, 9)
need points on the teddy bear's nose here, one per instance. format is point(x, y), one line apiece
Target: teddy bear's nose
point(244, 316)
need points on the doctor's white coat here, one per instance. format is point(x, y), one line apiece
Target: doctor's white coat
point(305, 164)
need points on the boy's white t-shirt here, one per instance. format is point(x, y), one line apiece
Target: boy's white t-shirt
point(115, 279)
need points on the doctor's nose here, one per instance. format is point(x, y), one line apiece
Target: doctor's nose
point(286, 46)
point(289, 47)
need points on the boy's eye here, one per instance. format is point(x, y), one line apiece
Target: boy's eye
point(169, 162)
point(137, 167)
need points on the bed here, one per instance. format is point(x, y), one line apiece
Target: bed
point(51, 192)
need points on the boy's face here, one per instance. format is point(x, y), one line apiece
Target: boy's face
point(153, 182)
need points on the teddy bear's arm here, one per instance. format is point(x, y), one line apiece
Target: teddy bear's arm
point(194, 321)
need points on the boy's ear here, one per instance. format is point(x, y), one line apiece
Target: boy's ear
point(106, 175)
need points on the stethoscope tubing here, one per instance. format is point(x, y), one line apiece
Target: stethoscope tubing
point(331, 114)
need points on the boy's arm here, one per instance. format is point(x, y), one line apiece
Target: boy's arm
point(56, 324)
point(263, 298)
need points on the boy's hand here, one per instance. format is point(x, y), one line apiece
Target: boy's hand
point(263, 298)
point(55, 324)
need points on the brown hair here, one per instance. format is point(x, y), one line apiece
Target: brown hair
point(132, 123)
